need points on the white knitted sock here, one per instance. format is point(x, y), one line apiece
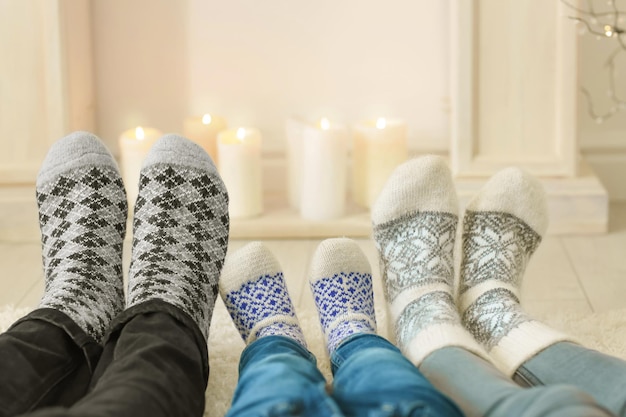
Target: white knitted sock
point(82, 216)
point(254, 292)
point(341, 282)
point(502, 228)
point(415, 220)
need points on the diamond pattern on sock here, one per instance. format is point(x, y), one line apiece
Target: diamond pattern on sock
point(493, 315)
point(431, 309)
point(180, 236)
point(82, 215)
point(263, 299)
point(416, 250)
point(496, 246)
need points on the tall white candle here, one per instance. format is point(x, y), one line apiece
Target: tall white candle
point(134, 145)
point(294, 129)
point(204, 130)
point(324, 171)
point(239, 162)
point(379, 146)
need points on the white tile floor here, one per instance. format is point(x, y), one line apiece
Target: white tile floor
point(576, 273)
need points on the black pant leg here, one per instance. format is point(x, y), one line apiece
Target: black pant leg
point(46, 359)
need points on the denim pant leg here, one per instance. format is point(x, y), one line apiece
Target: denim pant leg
point(279, 377)
point(483, 391)
point(602, 376)
point(45, 359)
point(372, 378)
point(154, 364)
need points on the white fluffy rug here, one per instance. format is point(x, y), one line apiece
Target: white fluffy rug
point(602, 331)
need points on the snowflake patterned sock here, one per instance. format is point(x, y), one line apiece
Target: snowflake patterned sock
point(82, 216)
point(254, 292)
point(502, 228)
point(341, 282)
point(415, 220)
point(180, 230)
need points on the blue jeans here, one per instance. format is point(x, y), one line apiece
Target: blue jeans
point(278, 377)
point(482, 391)
point(602, 376)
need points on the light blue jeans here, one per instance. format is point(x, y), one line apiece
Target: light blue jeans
point(564, 380)
point(278, 377)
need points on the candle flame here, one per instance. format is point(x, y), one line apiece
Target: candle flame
point(139, 133)
point(206, 119)
point(381, 123)
point(325, 123)
point(241, 133)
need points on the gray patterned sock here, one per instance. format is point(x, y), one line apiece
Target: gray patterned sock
point(180, 230)
point(502, 228)
point(415, 220)
point(256, 297)
point(341, 282)
point(82, 216)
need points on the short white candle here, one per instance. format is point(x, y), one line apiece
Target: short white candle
point(204, 130)
point(239, 162)
point(134, 145)
point(379, 146)
point(324, 171)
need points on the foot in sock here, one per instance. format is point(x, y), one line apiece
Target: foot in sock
point(415, 219)
point(502, 228)
point(341, 281)
point(82, 216)
point(254, 292)
point(180, 230)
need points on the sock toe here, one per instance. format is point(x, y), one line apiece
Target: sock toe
point(421, 184)
point(514, 191)
point(177, 150)
point(76, 150)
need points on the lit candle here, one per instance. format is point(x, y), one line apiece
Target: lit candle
point(379, 146)
point(134, 145)
point(239, 162)
point(204, 130)
point(324, 171)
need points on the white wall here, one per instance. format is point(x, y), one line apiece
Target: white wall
point(258, 62)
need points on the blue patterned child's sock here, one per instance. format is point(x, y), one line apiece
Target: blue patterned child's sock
point(341, 282)
point(254, 292)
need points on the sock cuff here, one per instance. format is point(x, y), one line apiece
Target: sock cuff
point(334, 256)
point(438, 336)
point(524, 342)
point(350, 317)
point(252, 261)
point(473, 293)
point(289, 320)
point(409, 295)
point(421, 184)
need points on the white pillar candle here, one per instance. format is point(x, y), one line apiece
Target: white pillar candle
point(204, 130)
point(324, 171)
point(379, 146)
point(134, 145)
point(239, 162)
point(294, 130)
